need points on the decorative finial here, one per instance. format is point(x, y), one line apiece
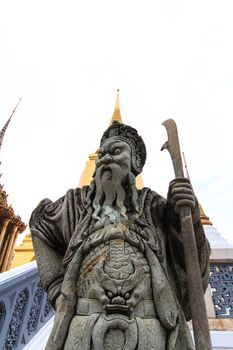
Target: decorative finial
point(2, 132)
point(205, 220)
point(116, 113)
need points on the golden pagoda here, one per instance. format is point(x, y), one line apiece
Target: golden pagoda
point(86, 176)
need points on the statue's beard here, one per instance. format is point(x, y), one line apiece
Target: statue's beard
point(111, 182)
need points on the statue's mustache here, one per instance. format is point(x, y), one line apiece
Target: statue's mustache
point(113, 168)
point(105, 170)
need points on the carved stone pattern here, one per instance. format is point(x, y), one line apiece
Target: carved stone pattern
point(2, 314)
point(16, 320)
point(221, 281)
point(47, 308)
point(35, 309)
point(96, 255)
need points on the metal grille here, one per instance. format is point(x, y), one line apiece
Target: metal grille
point(221, 282)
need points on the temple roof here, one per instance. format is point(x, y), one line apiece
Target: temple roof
point(2, 132)
point(6, 210)
point(3, 195)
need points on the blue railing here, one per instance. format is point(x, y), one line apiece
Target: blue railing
point(24, 307)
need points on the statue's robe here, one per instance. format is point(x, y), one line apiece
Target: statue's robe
point(61, 236)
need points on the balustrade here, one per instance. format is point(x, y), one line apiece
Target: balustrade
point(24, 307)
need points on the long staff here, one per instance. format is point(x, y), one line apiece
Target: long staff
point(195, 289)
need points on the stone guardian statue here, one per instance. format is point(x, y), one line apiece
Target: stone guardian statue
point(111, 256)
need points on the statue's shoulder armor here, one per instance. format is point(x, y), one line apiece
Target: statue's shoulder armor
point(149, 198)
point(48, 209)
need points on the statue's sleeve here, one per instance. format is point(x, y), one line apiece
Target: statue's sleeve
point(52, 225)
point(164, 211)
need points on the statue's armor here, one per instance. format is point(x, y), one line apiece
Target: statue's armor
point(114, 293)
point(117, 263)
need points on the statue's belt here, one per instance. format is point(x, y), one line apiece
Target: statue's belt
point(86, 307)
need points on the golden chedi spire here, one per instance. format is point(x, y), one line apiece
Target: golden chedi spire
point(86, 176)
point(205, 220)
point(116, 113)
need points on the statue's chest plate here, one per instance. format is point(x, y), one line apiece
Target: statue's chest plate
point(116, 274)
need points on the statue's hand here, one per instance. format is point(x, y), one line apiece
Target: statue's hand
point(181, 194)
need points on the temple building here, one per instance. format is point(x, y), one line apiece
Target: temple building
point(11, 224)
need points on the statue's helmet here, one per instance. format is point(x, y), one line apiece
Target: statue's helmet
point(126, 133)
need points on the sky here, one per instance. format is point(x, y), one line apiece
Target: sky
point(66, 59)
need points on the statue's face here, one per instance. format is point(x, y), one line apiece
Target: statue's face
point(115, 151)
point(112, 175)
